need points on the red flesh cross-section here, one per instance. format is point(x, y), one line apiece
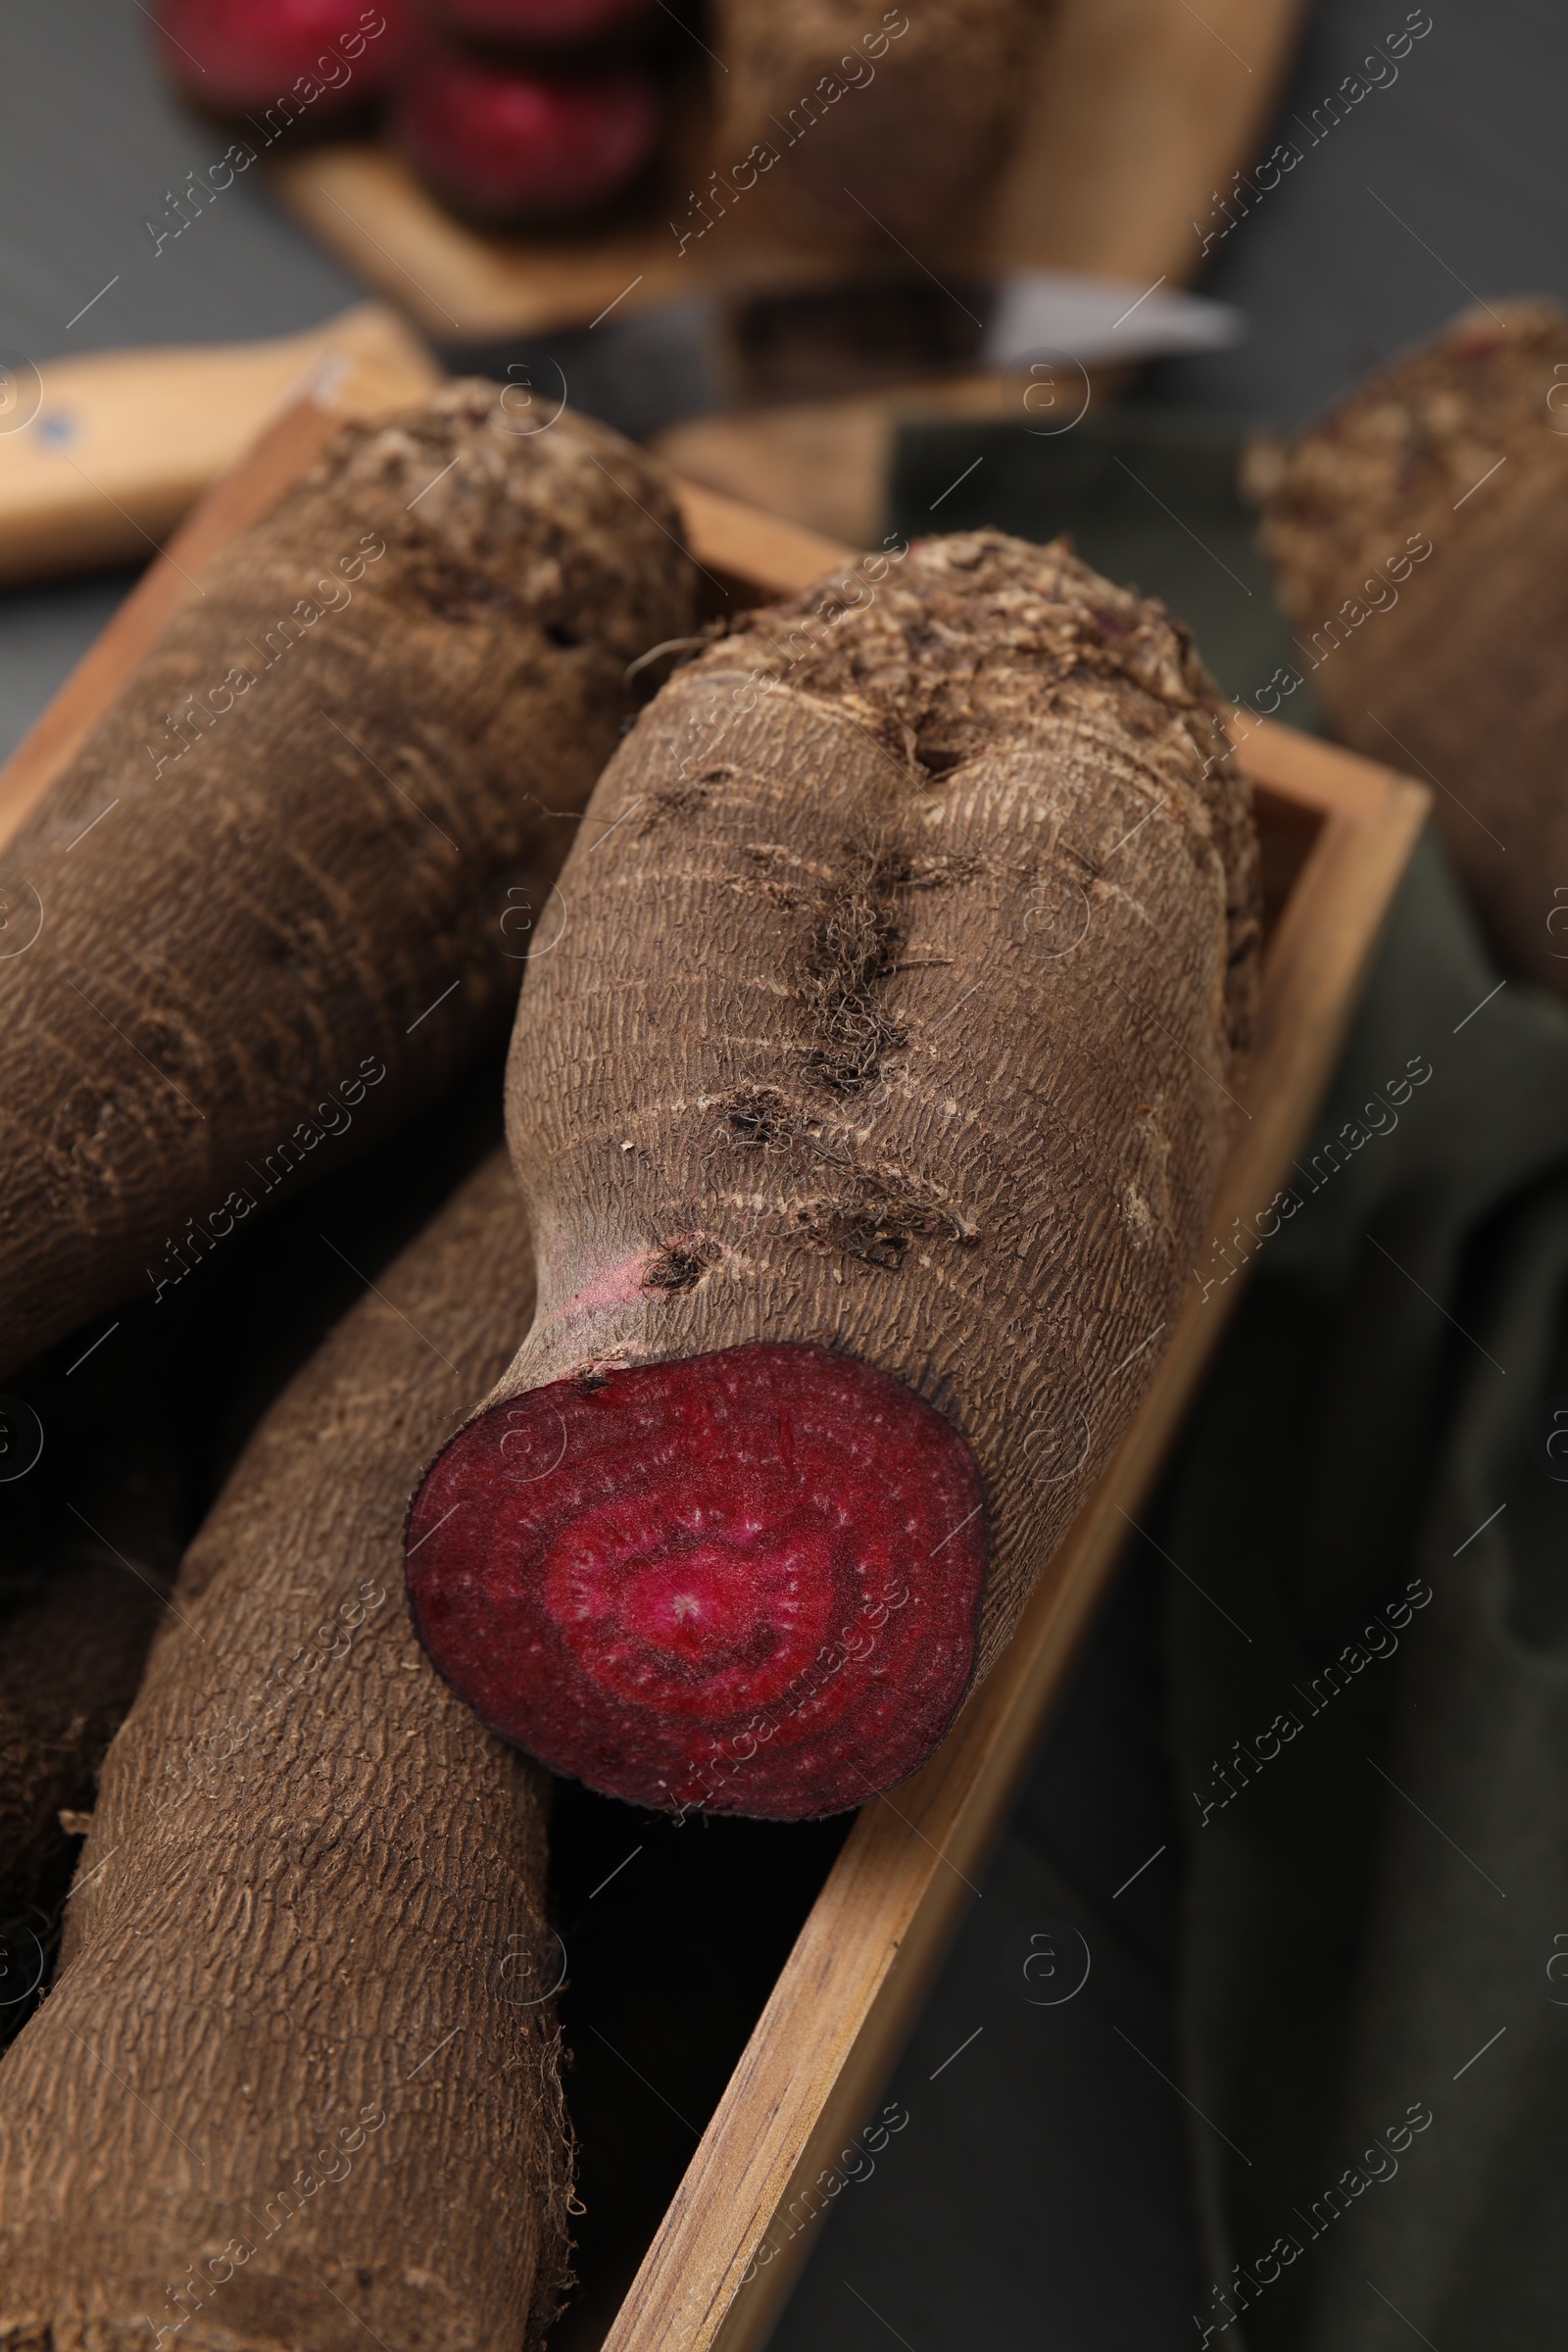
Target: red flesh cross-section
point(744, 1582)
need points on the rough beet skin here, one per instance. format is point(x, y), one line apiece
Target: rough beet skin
point(746, 1581)
point(232, 54)
point(511, 143)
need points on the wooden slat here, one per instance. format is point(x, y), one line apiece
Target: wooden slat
point(1304, 770)
point(865, 1959)
point(729, 537)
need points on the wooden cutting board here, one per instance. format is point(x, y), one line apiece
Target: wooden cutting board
point(1137, 114)
point(1136, 110)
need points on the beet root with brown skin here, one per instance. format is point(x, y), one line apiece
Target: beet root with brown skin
point(297, 2081)
point(868, 1118)
point(502, 141)
point(1419, 538)
point(101, 1470)
point(70, 1658)
point(861, 121)
point(285, 891)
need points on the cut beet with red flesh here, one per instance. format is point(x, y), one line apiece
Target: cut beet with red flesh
point(746, 1582)
point(507, 144)
point(231, 55)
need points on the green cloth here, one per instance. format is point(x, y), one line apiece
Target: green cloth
point(1147, 495)
point(1366, 1526)
point(1370, 1921)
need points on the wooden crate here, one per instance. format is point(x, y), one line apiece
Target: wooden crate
point(1337, 834)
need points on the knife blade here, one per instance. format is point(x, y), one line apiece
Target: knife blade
point(713, 352)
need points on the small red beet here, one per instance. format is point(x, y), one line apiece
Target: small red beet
point(232, 54)
point(536, 23)
point(746, 1581)
point(507, 144)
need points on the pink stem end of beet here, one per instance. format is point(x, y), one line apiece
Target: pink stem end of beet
point(744, 1583)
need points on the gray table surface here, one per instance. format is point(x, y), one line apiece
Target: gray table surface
point(1036, 2194)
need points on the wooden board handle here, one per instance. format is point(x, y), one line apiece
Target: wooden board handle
point(107, 453)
